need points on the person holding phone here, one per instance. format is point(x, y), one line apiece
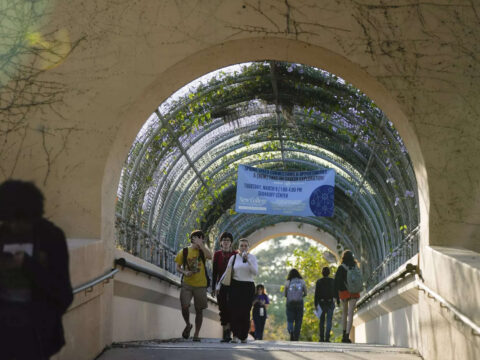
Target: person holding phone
point(35, 288)
point(259, 313)
point(242, 290)
point(191, 264)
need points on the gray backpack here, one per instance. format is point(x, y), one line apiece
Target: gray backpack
point(295, 290)
point(354, 282)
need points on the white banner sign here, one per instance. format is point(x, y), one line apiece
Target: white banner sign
point(301, 193)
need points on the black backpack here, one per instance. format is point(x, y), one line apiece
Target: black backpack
point(202, 257)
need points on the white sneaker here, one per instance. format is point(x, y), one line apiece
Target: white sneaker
point(244, 341)
point(234, 340)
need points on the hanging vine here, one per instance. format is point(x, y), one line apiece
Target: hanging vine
point(231, 118)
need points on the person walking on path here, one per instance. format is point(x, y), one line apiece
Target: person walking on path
point(190, 263)
point(259, 312)
point(220, 261)
point(325, 295)
point(295, 291)
point(35, 288)
point(242, 290)
point(348, 298)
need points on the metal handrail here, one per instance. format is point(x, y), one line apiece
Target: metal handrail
point(406, 241)
point(413, 269)
point(139, 268)
point(150, 272)
point(409, 269)
point(444, 303)
point(96, 281)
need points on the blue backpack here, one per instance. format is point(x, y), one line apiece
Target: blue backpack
point(295, 290)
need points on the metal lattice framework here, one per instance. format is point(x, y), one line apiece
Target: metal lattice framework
point(180, 173)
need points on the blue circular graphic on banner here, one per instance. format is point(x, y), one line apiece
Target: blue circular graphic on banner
point(321, 201)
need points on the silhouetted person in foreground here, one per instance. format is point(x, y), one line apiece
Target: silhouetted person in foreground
point(35, 289)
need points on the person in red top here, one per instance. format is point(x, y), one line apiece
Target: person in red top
point(220, 261)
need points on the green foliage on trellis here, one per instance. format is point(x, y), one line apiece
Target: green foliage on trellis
point(303, 119)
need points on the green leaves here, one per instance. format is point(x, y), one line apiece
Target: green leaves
point(316, 121)
point(309, 263)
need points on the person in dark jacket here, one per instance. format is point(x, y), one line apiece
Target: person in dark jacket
point(325, 295)
point(220, 261)
point(35, 289)
point(349, 300)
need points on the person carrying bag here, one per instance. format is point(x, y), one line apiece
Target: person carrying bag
point(226, 279)
point(220, 271)
point(241, 290)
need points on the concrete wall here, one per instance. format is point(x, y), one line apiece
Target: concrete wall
point(146, 308)
point(416, 61)
point(119, 60)
point(130, 307)
point(399, 328)
point(87, 325)
point(404, 315)
point(88, 321)
point(390, 317)
point(454, 274)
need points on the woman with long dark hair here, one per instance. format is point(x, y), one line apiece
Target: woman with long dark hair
point(348, 299)
point(242, 290)
point(220, 261)
point(295, 291)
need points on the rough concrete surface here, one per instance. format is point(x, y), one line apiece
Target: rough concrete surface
point(212, 349)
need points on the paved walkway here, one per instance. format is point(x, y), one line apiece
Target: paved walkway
point(212, 349)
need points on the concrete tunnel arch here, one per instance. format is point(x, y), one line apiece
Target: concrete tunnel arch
point(238, 51)
point(294, 228)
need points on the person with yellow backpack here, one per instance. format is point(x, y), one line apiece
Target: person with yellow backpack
point(190, 263)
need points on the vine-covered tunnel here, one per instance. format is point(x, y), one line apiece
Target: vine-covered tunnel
point(384, 93)
point(180, 173)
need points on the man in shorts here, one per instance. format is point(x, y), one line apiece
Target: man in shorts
point(191, 264)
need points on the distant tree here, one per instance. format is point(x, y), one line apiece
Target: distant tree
point(275, 329)
point(274, 264)
point(272, 273)
point(309, 262)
